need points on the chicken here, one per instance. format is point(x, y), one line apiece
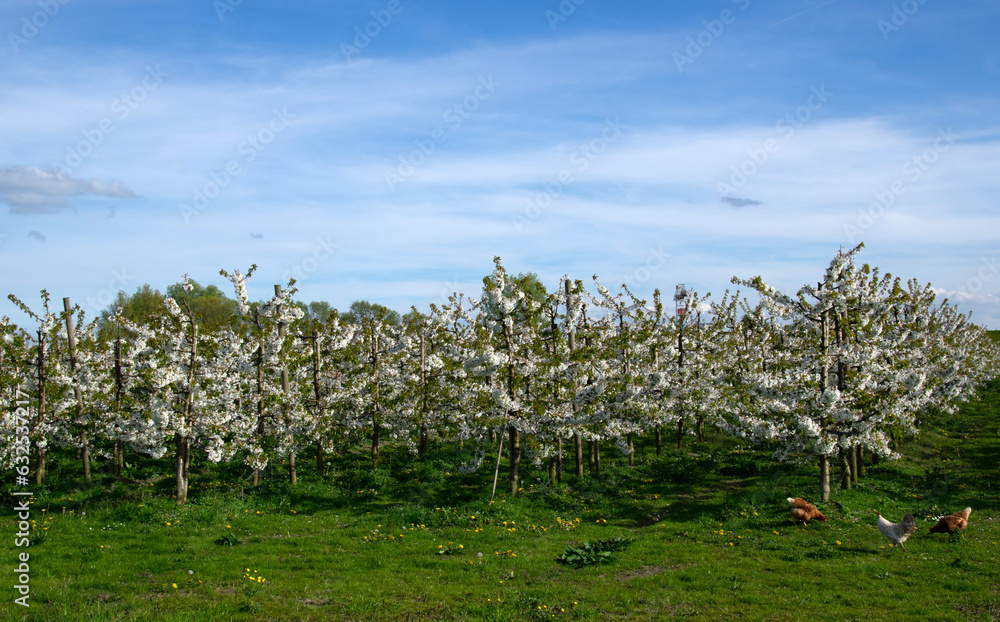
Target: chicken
point(804, 511)
point(952, 523)
point(897, 534)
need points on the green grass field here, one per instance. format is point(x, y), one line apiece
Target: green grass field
point(707, 527)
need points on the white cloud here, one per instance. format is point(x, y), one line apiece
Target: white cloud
point(32, 190)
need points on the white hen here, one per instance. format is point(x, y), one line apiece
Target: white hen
point(897, 533)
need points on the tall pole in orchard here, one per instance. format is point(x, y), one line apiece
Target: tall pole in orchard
point(286, 389)
point(577, 440)
point(71, 338)
point(680, 303)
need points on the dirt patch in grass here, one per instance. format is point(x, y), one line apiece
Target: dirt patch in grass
point(642, 571)
point(654, 518)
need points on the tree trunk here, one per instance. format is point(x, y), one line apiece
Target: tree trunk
point(824, 478)
point(659, 441)
point(376, 438)
point(85, 456)
point(590, 456)
point(320, 467)
point(118, 459)
point(187, 461)
point(680, 433)
point(853, 454)
point(597, 457)
point(39, 465)
point(424, 440)
point(559, 462)
point(845, 470)
point(861, 460)
point(701, 428)
point(631, 450)
point(515, 458)
point(182, 469)
point(578, 453)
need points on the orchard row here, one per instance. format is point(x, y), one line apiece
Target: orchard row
point(830, 373)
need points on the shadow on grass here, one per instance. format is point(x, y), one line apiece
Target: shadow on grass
point(703, 482)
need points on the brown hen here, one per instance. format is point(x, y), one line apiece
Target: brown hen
point(804, 511)
point(953, 523)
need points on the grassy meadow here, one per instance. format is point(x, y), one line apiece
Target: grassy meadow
point(699, 533)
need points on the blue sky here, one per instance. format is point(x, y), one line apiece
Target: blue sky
point(388, 150)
